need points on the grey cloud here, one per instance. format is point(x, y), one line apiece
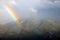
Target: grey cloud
point(24, 8)
point(38, 3)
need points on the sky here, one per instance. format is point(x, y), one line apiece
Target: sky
point(30, 8)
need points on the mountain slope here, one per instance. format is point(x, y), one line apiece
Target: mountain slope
point(34, 27)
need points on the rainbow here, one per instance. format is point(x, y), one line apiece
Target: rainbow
point(12, 13)
point(14, 16)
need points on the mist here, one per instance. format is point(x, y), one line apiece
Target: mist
point(39, 17)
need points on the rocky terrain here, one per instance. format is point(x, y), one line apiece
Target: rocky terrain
point(36, 29)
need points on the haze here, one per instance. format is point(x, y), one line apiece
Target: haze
point(30, 8)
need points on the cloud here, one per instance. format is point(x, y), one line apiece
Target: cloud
point(32, 7)
point(13, 2)
point(47, 3)
point(57, 3)
point(4, 15)
point(28, 8)
point(34, 3)
point(33, 10)
point(9, 2)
